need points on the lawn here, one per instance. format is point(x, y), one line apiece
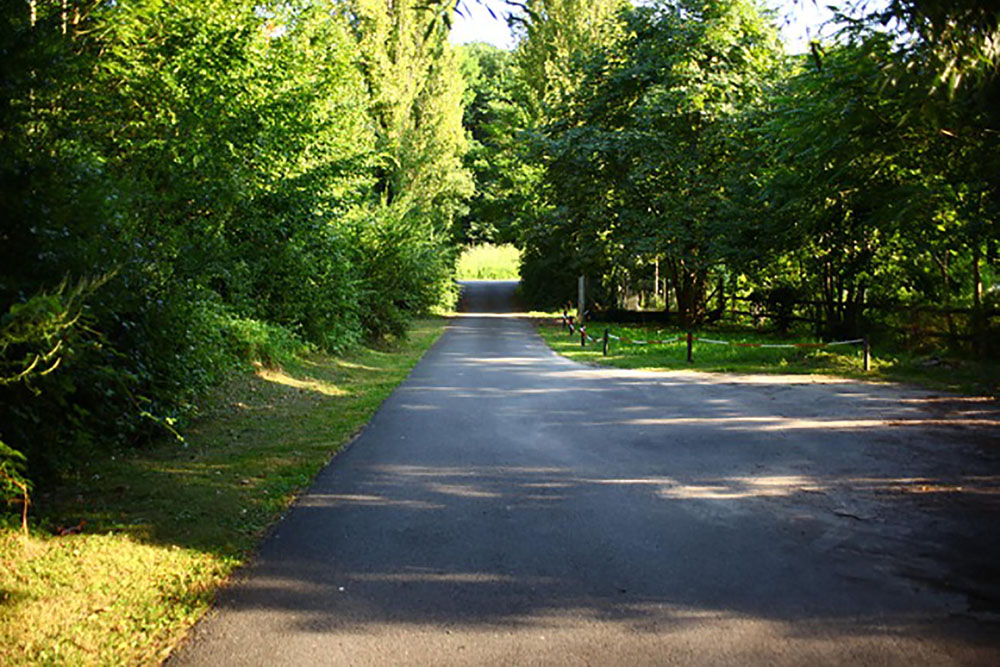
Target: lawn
point(936, 371)
point(153, 534)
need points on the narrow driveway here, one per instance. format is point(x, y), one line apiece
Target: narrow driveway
point(507, 506)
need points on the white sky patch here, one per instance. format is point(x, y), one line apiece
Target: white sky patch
point(476, 25)
point(799, 21)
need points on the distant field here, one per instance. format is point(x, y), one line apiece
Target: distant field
point(489, 262)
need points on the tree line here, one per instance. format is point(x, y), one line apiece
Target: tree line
point(676, 141)
point(190, 185)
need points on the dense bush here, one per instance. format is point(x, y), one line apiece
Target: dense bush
point(403, 269)
point(213, 172)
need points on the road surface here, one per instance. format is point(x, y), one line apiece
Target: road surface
point(507, 506)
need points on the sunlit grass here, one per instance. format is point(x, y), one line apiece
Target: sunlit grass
point(843, 361)
point(489, 262)
point(166, 526)
point(706, 357)
point(90, 599)
point(280, 376)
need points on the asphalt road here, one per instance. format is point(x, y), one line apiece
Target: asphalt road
point(507, 506)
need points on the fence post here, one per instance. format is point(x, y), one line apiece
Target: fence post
point(690, 342)
point(605, 347)
point(867, 363)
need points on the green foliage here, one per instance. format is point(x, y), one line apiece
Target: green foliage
point(417, 92)
point(212, 160)
point(401, 244)
point(404, 270)
point(256, 341)
point(871, 192)
point(638, 161)
point(679, 145)
point(13, 483)
point(555, 36)
point(958, 39)
point(35, 336)
point(494, 120)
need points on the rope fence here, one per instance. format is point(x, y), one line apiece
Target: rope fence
point(566, 321)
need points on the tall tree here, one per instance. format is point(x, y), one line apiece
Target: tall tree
point(416, 87)
point(555, 37)
point(495, 120)
point(639, 163)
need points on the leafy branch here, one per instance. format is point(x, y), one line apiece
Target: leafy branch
point(33, 338)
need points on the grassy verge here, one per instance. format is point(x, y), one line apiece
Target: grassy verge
point(951, 374)
point(489, 262)
point(164, 528)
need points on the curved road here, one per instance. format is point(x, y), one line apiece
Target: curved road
point(507, 506)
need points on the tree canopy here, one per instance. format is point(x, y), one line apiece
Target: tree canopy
point(679, 144)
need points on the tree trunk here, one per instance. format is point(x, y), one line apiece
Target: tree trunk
point(689, 288)
point(943, 263)
point(978, 316)
point(656, 277)
point(829, 299)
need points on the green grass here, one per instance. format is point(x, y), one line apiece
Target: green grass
point(165, 527)
point(932, 371)
point(489, 262)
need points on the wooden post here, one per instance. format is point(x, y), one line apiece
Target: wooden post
point(867, 362)
point(690, 341)
point(581, 296)
point(605, 347)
